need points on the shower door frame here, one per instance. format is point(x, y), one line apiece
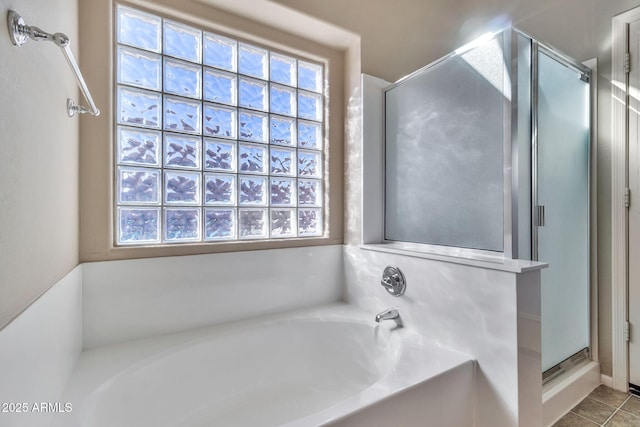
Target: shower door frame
point(538, 47)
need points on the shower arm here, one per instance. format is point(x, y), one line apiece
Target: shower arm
point(20, 33)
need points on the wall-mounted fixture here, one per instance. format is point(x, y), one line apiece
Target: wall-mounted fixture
point(393, 281)
point(20, 33)
point(390, 314)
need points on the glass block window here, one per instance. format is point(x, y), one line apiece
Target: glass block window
point(216, 139)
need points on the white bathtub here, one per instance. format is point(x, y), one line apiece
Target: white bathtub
point(326, 366)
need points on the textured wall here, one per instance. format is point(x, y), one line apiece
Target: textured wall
point(39, 158)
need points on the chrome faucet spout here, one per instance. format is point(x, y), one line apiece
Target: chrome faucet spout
point(390, 314)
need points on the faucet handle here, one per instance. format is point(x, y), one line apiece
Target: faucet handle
point(393, 281)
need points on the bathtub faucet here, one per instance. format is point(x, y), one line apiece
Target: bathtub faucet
point(390, 314)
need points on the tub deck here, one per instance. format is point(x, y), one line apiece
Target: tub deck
point(380, 371)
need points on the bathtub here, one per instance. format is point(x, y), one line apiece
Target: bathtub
point(331, 365)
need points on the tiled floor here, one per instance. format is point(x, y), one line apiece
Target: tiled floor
point(604, 407)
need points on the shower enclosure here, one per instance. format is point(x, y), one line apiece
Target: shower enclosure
point(487, 155)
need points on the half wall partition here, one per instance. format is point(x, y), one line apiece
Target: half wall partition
point(487, 155)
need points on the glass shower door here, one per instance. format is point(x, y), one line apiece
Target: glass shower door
point(562, 210)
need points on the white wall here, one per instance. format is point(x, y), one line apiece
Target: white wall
point(130, 299)
point(470, 309)
point(39, 158)
point(38, 351)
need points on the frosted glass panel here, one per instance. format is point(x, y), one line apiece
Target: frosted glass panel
point(283, 69)
point(220, 224)
point(182, 78)
point(138, 29)
point(182, 224)
point(182, 41)
point(563, 178)
point(253, 61)
point(444, 152)
point(253, 223)
point(220, 51)
point(138, 225)
point(139, 68)
point(220, 87)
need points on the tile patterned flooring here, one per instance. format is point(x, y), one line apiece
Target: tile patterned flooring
point(604, 407)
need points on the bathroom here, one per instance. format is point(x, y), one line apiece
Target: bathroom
point(65, 287)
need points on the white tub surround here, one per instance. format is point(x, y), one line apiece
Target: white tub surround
point(565, 392)
point(490, 313)
point(306, 368)
point(443, 400)
point(133, 299)
point(478, 302)
point(38, 351)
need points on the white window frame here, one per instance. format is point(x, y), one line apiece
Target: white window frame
point(256, 21)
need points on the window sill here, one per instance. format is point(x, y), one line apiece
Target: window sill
point(165, 250)
point(490, 262)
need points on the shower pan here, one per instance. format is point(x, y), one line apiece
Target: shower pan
point(487, 156)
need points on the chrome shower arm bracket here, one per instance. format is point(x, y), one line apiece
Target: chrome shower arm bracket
point(18, 30)
point(20, 33)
